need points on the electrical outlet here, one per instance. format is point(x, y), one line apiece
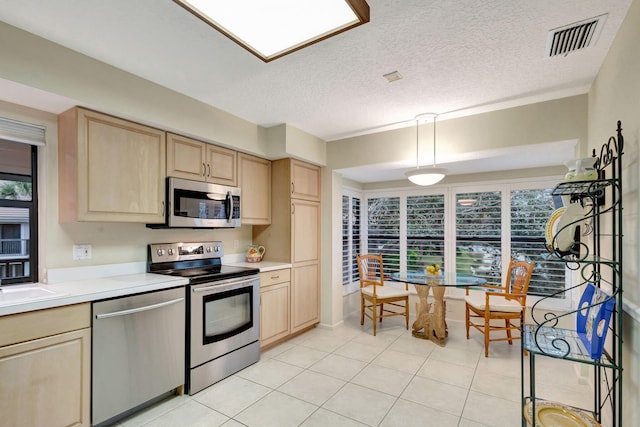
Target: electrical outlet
point(81, 252)
point(235, 244)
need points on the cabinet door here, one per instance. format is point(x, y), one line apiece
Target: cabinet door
point(221, 165)
point(274, 313)
point(185, 158)
point(254, 179)
point(305, 181)
point(46, 382)
point(110, 170)
point(305, 231)
point(305, 296)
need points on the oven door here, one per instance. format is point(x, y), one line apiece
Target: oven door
point(224, 316)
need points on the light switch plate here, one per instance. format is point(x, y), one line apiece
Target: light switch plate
point(81, 252)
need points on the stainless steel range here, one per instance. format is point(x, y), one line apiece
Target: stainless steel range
point(223, 310)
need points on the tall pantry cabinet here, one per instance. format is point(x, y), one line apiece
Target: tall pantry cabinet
point(294, 235)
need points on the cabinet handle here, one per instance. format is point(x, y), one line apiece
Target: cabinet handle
point(292, 188)
point(204, 170)
point(208, 170)
point(293, 209)
point(275, 277)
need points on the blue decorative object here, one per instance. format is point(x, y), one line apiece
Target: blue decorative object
point(592, 322)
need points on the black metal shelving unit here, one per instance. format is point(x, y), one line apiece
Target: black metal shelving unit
point(597, 260)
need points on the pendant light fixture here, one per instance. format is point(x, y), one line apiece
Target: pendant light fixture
point(426, 175)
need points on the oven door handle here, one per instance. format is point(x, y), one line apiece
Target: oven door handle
point(139, 309)
point(221, 287)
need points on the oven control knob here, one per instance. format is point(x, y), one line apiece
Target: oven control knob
point(216, 248)
point(208, 248)
point(160, 252)
point(170, 251)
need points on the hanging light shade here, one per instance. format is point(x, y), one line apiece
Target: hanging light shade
point(426, 175)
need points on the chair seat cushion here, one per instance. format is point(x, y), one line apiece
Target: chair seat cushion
point(384, 291)
point(478, 301)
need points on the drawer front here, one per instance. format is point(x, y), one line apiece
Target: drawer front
point(32, 325)
point(268, 278)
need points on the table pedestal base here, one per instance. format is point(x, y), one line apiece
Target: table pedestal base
point(431, 325)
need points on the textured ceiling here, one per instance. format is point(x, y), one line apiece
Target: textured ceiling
point(455, 57)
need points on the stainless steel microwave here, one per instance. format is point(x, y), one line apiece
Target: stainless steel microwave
point(194, 204)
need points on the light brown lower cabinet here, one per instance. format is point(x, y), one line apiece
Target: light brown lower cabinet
point(305, 296)
point(274, 305)
point(46, 381)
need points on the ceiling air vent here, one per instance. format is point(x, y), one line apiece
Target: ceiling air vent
point(393, 76)
point(564, 40)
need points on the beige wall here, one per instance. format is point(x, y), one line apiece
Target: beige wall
point(478, 177)
point(558, 120)
point(75, 79)
point(615, 95)
point(38, 63)
point(35, 62)
point(287, 141)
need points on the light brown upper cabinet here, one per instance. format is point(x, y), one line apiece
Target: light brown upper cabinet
point(254, 180)
point(109, 169)
point(196, 160)
point(305, 181)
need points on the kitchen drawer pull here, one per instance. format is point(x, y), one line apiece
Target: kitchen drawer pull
point(139, 309)
point(275, 277)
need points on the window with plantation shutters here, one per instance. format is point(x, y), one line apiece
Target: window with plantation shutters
point(476, 230)
point(350, 238)
point(355, 238)
point(383, 231)
point(530, 210)
point(479, 234)
point(425, 231)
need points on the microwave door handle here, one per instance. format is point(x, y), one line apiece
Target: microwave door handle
point(228, 201)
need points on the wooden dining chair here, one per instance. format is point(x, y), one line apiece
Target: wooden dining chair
point(374, 294)
point(500, 303)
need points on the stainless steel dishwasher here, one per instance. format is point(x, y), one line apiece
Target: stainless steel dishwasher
point(138, 351)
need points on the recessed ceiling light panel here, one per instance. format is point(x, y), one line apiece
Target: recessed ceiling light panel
point(271, 29)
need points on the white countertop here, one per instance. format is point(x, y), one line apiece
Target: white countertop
point(262, 265)
point(85, 285)
point(78, 291)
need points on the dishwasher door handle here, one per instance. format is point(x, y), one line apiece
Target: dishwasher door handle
point(138, 310)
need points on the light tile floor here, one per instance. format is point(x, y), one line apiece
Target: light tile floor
point(348, 377)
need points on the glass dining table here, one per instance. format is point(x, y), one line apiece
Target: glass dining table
point(430, 322)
